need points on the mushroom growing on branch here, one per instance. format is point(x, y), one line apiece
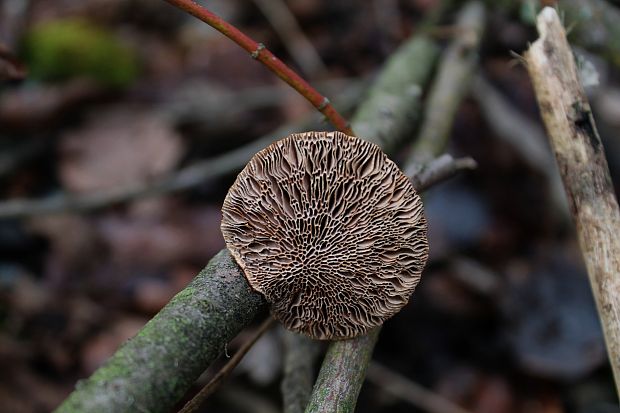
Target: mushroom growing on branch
point(329, 230)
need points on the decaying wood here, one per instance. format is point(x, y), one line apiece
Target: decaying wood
point(581, 161)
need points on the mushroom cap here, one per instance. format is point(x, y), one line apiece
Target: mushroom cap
point(329, 230)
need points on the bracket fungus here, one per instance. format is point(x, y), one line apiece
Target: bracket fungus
point(329, 230)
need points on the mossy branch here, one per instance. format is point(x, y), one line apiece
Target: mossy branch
point(392, 109)
point(342, 374)
point(152, 371)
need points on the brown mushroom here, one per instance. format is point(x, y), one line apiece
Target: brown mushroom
point(329, 230)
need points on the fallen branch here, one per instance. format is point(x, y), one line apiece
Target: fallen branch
point(581, 159)
point(439, 169)
point(392, 110)
point(153, 370)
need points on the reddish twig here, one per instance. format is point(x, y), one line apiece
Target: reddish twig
point(259, 52)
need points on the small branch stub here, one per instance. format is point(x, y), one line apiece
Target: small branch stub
point(581, 160)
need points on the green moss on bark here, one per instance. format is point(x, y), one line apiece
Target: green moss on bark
point(152, 371)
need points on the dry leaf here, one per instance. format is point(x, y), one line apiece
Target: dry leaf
point(118, 147)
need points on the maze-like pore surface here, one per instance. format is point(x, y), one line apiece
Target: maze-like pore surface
point(329, 230)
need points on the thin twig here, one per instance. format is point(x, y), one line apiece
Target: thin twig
point(194, 404)
point(259, 52)
point(409, 391)
point(581, 160)
point(296, 42)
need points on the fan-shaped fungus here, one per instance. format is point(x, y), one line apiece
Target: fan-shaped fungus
point(329, 230)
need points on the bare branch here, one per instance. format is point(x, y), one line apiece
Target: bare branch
point(581, 159)
point(440, 169)
point(342, 374)
point(259, 52)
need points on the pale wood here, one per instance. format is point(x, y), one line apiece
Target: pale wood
point(581, 160)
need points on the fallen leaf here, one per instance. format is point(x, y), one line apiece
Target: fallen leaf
point(120, 146)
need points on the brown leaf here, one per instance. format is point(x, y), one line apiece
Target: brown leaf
point(121, 146)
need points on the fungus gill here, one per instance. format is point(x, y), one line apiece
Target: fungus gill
point(329, 230)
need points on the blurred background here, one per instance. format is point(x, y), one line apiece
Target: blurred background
point(124, 122)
